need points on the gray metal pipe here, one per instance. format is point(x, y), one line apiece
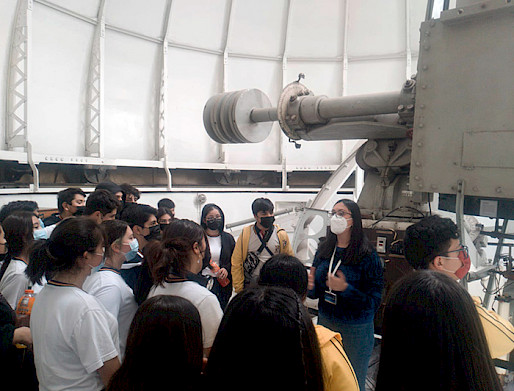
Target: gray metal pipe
point(358, 105)
point(264, 115)
point(252, 220)
point(348, 106)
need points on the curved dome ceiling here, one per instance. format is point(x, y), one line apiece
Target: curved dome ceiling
point(343, 47)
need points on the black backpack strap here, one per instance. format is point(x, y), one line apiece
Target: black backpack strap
point(264, 240)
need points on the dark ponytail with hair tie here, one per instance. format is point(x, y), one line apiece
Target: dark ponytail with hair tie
point(171, 255)
point(69, 240)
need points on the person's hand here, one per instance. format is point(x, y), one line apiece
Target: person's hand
point(338, 282)
point(310, 283)
point(222, 273)
point(22, 335)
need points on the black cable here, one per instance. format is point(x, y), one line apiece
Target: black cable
point(394, 210)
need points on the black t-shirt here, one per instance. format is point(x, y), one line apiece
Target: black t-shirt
point(51, 220)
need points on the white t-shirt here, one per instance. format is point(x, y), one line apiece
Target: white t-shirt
point(14, 282)
point(112, 291)
point(205, 302)
point(215, 247)
point(73, 336)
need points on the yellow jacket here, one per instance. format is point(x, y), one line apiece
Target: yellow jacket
point(498, 331)
point(241, 251)
point(339, 374)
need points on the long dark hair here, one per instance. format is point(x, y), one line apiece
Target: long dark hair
point(276, 325)
point(171, 254)
point(431, 323)
point(68, 242)
point(205, 211)
point(164, 344)
point(359, 243)
point(18, 231)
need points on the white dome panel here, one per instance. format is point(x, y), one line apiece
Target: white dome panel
point(87, 8)
point(132, 71)
point(258, 27)
point(376, 76)
point(416, 17)
point(60, 55)
point(316, 28)
point(322, 78)
point(143, 17)
point(376, 27)
point(193, 78)
point(199, 23)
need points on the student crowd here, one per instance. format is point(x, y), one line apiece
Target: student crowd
point(129, 297)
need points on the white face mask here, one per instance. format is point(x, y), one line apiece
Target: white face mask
point(338, 224)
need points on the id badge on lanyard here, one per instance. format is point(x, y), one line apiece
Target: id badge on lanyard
point(331, 297)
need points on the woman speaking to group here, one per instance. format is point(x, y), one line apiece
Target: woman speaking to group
point(347, 277)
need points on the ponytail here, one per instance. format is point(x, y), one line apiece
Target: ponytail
point(41, 262)
point(171, 255)
point(69, 240)
point(167, 258)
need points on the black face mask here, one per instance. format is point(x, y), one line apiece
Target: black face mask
point(80, 211)
point(163, 226)
point(214, 224)
point(267, 221)
point(155, 233)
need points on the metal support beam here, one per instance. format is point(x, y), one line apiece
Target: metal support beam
point(344, 89)
point(33, 167)
point(222, 148)
point(459, 216)
point(337, 179)
point(162, 144)
point(18, 80)
point(496, 260)
point(408, 52)
point(95, 97)
point(281, 137)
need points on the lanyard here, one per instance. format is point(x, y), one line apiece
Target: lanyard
point(333, 271)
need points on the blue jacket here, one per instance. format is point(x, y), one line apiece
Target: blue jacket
point(360, 301)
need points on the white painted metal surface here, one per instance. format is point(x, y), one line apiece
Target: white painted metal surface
point(19, 78)
point(258, 53)
point(95, 89)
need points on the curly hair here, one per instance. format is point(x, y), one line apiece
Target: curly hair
point(427, 239)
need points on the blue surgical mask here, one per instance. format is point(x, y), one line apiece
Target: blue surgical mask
point(134, 248)
point(40, 234)
point(41, 223)
point(94, 269)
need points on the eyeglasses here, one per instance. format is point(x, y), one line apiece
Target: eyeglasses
point(339, 213)
point(463, 249)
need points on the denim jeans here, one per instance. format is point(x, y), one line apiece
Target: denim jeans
point(358, 341)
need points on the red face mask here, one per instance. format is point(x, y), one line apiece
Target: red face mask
point(466, 264)
point(463, 257)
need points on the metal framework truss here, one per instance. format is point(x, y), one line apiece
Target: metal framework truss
point(94, 108)
point(18, 78)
